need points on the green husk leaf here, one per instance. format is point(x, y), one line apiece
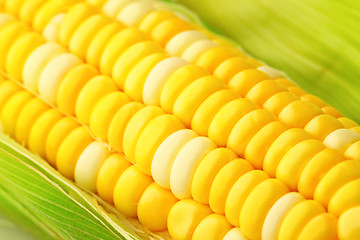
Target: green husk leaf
point(49, 206)
point(315, 42)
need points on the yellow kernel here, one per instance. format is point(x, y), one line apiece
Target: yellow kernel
point(109, 173)
point(135, 80)
point(206, 171)
point(348, 224)
point(212, 227)
point(315, 170)
point(53, 73)
point(224, 181)
point(119, 122)
point(70, 149)
point(56, 136)
point(277, 213)
point(297, 218)
point(88, 165)
point(131, 57)
point(91, 94)
point(166, 153)
point(246, 79)
point(185, 164)
point(230, 67)
point(135, 126)
point(100, 41)
point(281, 146)
point(36, 62)
point(158, 77)
point(321, 126)
point(258, 146)
point(128, 190)
point(239, 192)
point(191, 98)
point(176, 84)
point(76, 15)
point(209, 108)
point(156, 131)
point(82, 36)
point(19, 52)
point(335, 178)
point(279, 101)
point(246, 128)
point(258, 204)
point(293, 162)
point(299, 113)
point(11, 110)
point(117, 45)
point(183, 218)
point(71, 85)
point(40, 131)
point(154, 207)
point(226, 118)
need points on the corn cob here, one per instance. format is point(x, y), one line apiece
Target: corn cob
point(156, 138)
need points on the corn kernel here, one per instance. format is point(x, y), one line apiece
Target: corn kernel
point(224, 181)
point(166, 153)
point(11, 110)
point(209, 108)
point(180, 42)
point(131, 57)
point(277, 213)
point(82, 36)
point(135, 126)
point(206, 171)
point(298, 217)
point(37, 61)
point(53, 73)
point(76, 15)
point(212, 227)
point(315, 169)
point(293, 162)
point(335, 178)
point(321, 126)
point(341, 139)
point(156, 131)
point(184, 216)
point(119, 122)
point(239, 192)
point(154, 207)
point(27, 117)
point(258, 204)
point(348, 224)
point(108, 175)
point(281, 146)
point(190, 99)
point(90, 95)
point(258, 146)
point(185, 163)
point(104, 111)
point(226, 118)
point(322, 227)
point(88, 165)
point(246, 128)
point(157, 78)
point(40, 130)
point(176, 84)
point(128, 190)
point(56, 136)
point(70, 149)
point(71, 86)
